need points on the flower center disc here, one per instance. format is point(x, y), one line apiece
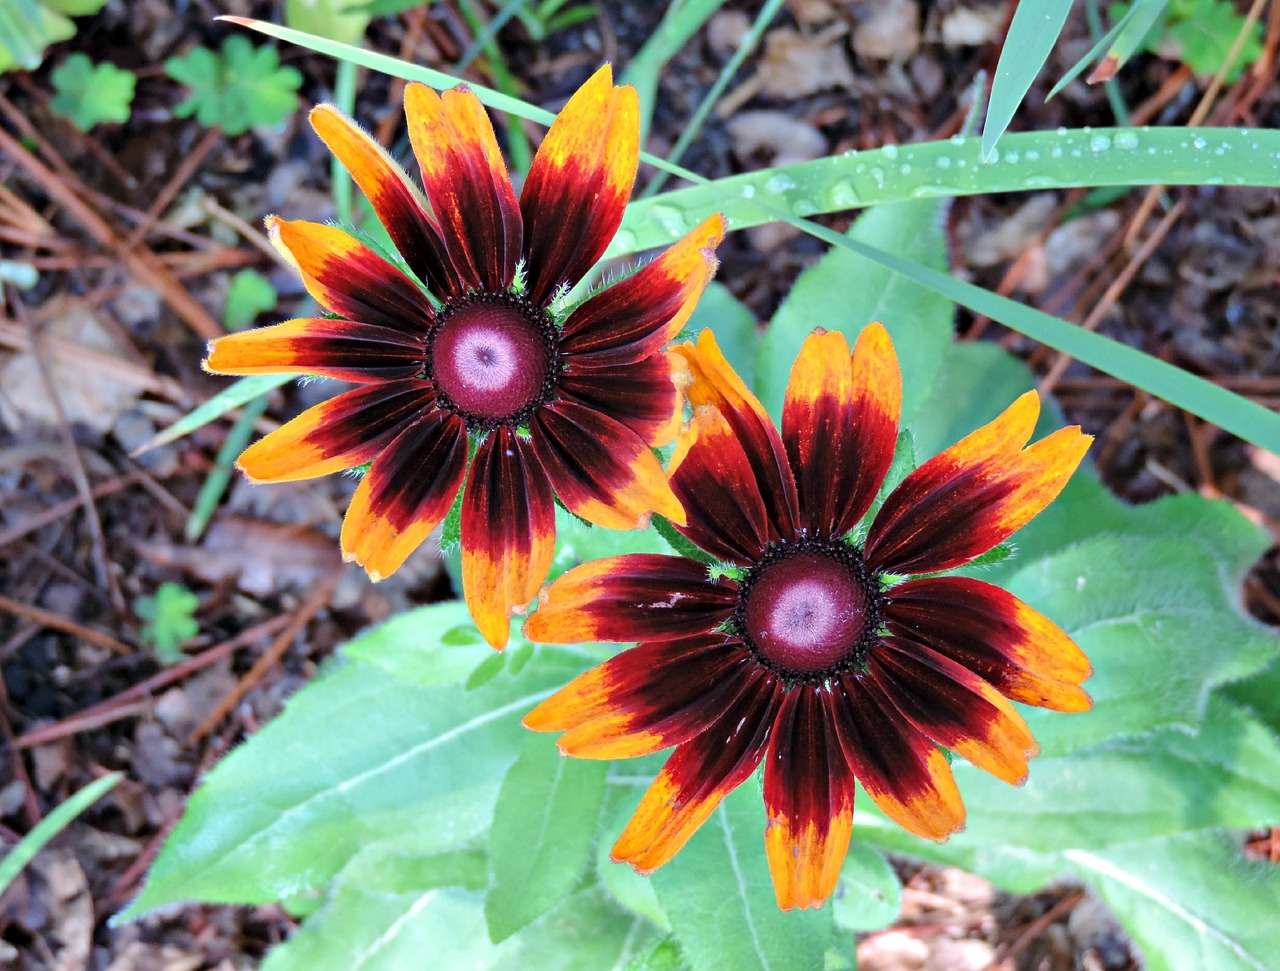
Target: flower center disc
point(807, 612)
point(491, 355)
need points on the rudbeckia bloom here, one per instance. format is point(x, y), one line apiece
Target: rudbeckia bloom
point(470, 353)
point(826, 655)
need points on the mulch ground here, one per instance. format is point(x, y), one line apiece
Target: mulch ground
point(136, 228)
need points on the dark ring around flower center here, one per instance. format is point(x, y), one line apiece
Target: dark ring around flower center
point(810, 609)
point(494, 358)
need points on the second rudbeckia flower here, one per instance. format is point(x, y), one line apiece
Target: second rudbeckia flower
point(551, 408)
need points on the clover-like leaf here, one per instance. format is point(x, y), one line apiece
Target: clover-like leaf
point(236, 89)
point(89, 94)
point(169, 619)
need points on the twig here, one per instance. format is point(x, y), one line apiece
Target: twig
point(179, 178)
point(65, 507)
point(48, 618)
point(311, 606)
point(1036, 927)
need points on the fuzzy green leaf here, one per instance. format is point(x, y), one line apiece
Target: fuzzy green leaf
point(249, 294)
point(236, 89)
point(89, 94)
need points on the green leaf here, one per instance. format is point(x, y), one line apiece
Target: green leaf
point(1190, 901)
point(663, 956)
point(170, 620)
point(1151, 615)
point(869, 894)
point(624, 885)
point(27, 27)
point(53, 824)
point(719, 896)
point(1032, 33)
point(88, 93)
point(390, 910)
point(682, 20)
point(577, 542)
point(543, 827)
point(434, 645)
point(241, 87)
point(248, 294)
point(1202, 32)
point(845, 291)
point(357, 757)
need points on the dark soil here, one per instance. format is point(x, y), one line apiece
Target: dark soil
point(121, 313)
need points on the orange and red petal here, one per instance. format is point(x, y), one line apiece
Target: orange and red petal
point(341, 433)
point(394, 197)
point(508, 532)
point(840, 425)
point(349, 279)
point(635, 597)
point(579, 183)
point(406, 494)
point(714, 481)
point(601, 470)
point(640, 314)
point(954, 707)
point(904, 773)
point(1018, 650)
point(974, 495)
point(808, 797)
point(700, 773)
point(646, 699)
point(330, 348)
point(641, 395)
point(467, 184)
point(713, 382)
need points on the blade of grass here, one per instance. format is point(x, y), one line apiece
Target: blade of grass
point(1032, 33)
point(228, 399)
point(344, 95)
point(1025, 161)
point(215, 483)
point(52, 825)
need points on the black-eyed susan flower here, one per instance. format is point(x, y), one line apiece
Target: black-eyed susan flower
point(818, 648)
point(469, 355)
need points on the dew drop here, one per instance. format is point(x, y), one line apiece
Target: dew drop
point(748, 191)
point(1127, 141)
point(1199, 143)
point(1099, 143)
point(906, 168)
point(842, 195)
point(780, 184)
point(944, 162)
point(890, 152)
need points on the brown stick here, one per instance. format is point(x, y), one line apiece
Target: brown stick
point(312, 606)
point(48, 618)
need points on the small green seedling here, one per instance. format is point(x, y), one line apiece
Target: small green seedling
point(1200, 34)
point(236, 89)
point(89, 94)
point(169, 620)
point(248, 295)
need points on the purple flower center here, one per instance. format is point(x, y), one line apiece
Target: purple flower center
point(493, 358)
point(809, 609)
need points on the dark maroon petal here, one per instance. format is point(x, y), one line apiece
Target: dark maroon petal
point(641, 395)
point(508, 532)
point(902, 770)
point(718, 488)
point(466, 181)
point(394, 198)
point(351, 280)
point(840, 426)
point(991, 632)
point(636, 597)
point(700, 773)
point(406, 494)
point(808, 795)
point(601, 469)
point(579, 183)
point(341, 433)
point(323, 346)
point(648, 698)
point(640, 314)
point(954, 707)
point(715, 383)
